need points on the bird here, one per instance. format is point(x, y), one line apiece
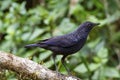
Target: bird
point(66, 44)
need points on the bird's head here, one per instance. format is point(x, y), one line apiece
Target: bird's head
point(87, 26)
point(90, 24)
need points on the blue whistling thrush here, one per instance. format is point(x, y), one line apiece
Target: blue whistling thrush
point(66, 44)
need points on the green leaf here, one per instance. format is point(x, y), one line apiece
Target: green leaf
point(80, 68)
point(111, 72)
point(44, 55)
point(37, 32)
point(103, 52)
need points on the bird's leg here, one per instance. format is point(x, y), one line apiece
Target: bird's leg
point(54, 56)
point(63, 62)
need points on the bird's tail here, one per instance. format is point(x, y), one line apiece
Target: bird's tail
point(31, 45)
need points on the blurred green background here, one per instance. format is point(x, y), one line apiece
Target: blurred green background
point(27, 21)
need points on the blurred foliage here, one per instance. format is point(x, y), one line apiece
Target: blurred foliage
point(22, 22)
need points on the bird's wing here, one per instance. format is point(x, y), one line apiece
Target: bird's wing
point(59, 42)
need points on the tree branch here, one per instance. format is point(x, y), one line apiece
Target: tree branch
point(30, 69)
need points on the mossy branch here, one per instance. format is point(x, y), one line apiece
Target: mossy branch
point(29, 69)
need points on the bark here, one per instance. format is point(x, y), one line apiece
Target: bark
point(29, 69)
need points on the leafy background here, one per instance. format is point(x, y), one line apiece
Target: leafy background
point(27, 21)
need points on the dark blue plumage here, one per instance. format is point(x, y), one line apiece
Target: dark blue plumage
point(66, 44)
